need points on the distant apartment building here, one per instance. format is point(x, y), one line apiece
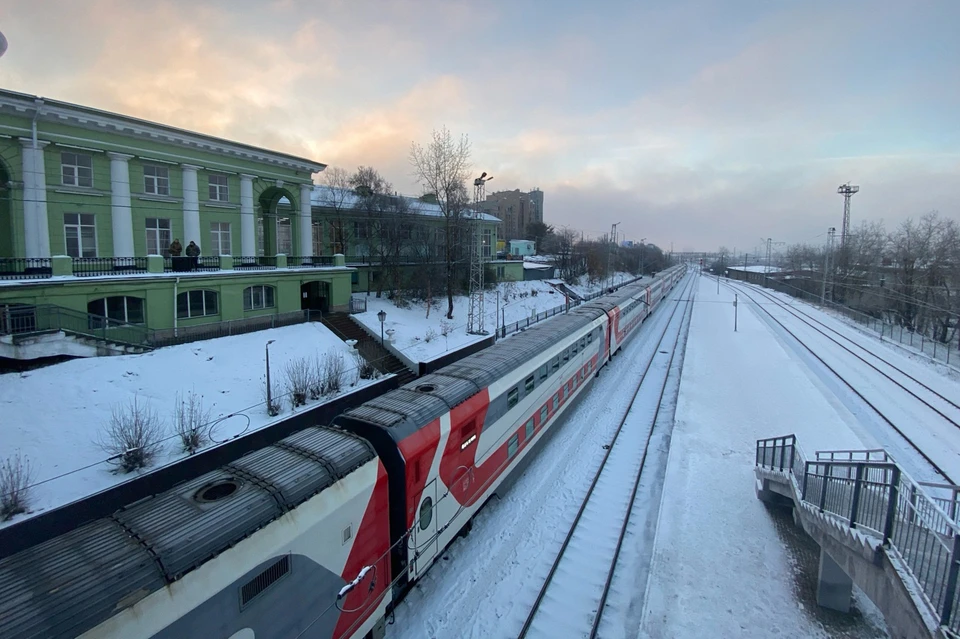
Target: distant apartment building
point(516, 209)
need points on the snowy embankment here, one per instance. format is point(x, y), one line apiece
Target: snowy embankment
point(421, 338)
point(54, 416)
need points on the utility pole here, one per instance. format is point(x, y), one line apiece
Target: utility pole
point(826, 264)
point(610, 247)
point(475, 315)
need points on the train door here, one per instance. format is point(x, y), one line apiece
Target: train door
point(425, 529)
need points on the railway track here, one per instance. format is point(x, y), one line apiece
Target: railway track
point(934, 401)
point(571, 601)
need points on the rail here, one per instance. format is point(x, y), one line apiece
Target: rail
point(93, 266)
point(25, 268)
point(255, 263)
point(881, 499)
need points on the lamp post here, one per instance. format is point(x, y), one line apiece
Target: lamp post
point(643, 243)
point(269, 398)
point(382, 316)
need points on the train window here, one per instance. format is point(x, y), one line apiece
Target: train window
point(583, 343)
point(589, 337)
point(568, 388)
point(513, 445)
point(543, 415)
point(528, 384)
point(573, 349)
point(555, 363)
point(513, 397)
point(426, 513)
point(556, 401)
point(543, 372)
point(528, 429)
point(566, 354)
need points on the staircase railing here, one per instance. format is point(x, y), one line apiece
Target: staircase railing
point(27, 319)
point(871, 491)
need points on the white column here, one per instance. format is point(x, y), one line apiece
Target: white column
point(248, 234)
point(306, 221)
point(36, 226)
point(120, 211)
point(191, 206)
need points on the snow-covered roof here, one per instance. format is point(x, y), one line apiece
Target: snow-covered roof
point(327, 196)
point(537, 267)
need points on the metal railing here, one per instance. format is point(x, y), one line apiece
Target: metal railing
point(253, 263)
point(317, 261)
point(92, 266)
point(868, 490)
point(180, 264)
point(185, 335)
point(23, 320)
point(357, 305)
point(25, 268)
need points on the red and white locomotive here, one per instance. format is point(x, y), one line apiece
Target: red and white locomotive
point(318, 534)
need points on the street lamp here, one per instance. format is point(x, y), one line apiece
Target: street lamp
point(643, 242)
point(382, 316)
point(269, 398)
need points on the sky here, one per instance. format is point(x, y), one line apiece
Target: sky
point(693, 123)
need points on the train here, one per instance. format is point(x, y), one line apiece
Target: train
point(319, 534)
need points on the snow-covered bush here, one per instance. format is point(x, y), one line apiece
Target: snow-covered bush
point(365, 370)
point(430, 335)
point(191, 422)
point(333, 370)
point(132, 438)
point(16, 475)
point(298, 374)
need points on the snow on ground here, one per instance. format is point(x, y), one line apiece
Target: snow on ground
point(422, 339)
point(53, 415)
point(719, 562)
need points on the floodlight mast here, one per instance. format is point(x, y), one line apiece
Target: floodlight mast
point(847, 191)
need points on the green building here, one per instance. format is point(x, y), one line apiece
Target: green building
point(91, 203)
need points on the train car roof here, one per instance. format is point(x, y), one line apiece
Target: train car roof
point(69, 584)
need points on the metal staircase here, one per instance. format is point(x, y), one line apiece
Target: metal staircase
point(371, 350)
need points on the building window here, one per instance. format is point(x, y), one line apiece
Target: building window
point(81, 234)
point(158, 236)
point(76, 169)
point(218, 187)
point(500, 271)
point(284, 235)
point(156, 180)
point(257, 297)
point(487, 242)
point(118, 308)
point(316, 234)
point(360, 230)
point(220, 238)
point(196, 304)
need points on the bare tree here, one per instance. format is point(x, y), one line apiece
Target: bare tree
point(443, 167)
point(298, 373)
point(338, 197)
point(16, 476)
point(191, 422)
point(133, 436)
point(380, 214)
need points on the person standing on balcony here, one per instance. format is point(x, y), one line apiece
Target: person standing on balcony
point(175, 248)
point(193, 250)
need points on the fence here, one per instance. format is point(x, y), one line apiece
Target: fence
point(940, 351)
point(294, 261)
point(869, 491)
point(25, 268)
point(166, 337)
point(92, 266)
point(255, 263)
point(181, 264)
point(521, 325)
point(357, 305)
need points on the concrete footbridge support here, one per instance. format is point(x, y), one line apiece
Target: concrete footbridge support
point(896, 538)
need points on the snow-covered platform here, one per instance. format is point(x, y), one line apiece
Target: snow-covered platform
point(719, 562)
